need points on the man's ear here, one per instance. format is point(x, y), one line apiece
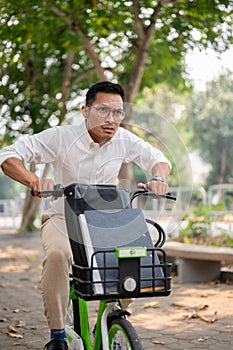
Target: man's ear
point(85, 111)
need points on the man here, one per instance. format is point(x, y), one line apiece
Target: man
point(92, 152)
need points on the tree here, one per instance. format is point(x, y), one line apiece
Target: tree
point(159, 117)
point(52, 50)
point(210, 115)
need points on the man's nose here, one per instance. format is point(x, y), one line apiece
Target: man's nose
point(110, 116)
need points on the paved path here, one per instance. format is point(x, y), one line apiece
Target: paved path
point(194, 316)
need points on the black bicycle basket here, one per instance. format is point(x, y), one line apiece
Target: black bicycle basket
point(110, 281)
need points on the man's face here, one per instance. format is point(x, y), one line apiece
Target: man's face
point(103, 116)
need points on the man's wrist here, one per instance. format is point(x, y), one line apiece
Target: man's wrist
point(157, 178)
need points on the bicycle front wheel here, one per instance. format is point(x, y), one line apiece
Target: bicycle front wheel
point(122, 335)
point(72, 315)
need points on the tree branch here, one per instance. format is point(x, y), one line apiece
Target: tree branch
point(137, 22)
point(76, 27)
point(144, 44)
point(84, 75)
point(66, 84)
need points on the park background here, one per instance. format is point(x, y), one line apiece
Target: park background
point(169, 55)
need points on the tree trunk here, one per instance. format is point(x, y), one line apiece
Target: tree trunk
point(221, 176)
point(223, 166)
point(30, 211)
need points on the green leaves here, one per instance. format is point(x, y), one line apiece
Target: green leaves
point(211, 118)
point(52, 50)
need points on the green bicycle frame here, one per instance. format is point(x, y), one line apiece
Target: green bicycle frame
point(121, 253)
point(84, 325)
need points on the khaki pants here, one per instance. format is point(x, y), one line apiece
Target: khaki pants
point(56, 266)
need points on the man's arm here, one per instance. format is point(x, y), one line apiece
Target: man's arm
point(15, 169)
point(158, 183)
point(161, 170)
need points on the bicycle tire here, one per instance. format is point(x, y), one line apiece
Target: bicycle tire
point(72, 326)
point(122, 335)
point(72, 315)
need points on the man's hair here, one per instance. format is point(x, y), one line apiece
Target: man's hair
point(103, 86)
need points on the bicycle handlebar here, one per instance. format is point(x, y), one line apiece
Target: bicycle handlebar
point(58, 191)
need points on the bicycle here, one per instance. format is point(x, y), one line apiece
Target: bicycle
point(110, 274)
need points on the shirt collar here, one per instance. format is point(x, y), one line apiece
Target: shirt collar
point(85, 136)
point(87, 139)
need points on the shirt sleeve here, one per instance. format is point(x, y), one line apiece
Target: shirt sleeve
point(40, 148)
point(143, 153)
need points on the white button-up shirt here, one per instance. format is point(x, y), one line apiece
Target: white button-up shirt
point(75, 157)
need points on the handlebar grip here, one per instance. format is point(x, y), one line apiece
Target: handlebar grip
point(58, 191)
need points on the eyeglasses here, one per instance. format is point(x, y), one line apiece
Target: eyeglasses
point(104, 111)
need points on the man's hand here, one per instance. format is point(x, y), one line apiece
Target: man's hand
point(158, 184)
point(15, 169)
point(158, 187)
point(42, 185)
